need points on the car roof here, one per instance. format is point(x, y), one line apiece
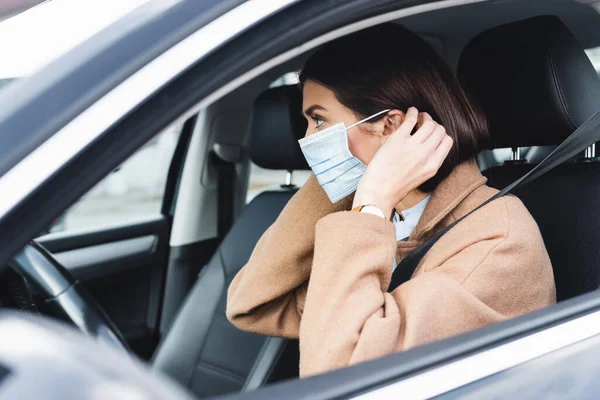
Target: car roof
point(33, 38)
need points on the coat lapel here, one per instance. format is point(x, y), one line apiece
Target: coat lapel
point(461, 182)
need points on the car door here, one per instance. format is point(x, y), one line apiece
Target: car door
point(368, 378)
point(115, 239)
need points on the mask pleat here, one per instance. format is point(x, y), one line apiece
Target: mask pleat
point(336, 168)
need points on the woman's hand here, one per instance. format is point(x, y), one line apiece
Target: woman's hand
point(404, 162)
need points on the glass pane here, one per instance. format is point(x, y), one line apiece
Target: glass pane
point(290, 78)
point(594, 56)
point(262, 179)
point(133, 192)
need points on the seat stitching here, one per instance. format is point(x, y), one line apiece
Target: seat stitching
point(559, 90)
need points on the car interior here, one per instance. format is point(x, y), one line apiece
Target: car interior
point(163, 282)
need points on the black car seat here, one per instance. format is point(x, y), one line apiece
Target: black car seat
point(536, 85)
point(203, 350)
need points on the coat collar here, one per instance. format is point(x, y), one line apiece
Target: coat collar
point(449, 193)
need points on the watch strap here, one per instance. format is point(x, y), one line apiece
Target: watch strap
point(369, 209)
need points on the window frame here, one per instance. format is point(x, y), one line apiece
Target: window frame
point(364, 377)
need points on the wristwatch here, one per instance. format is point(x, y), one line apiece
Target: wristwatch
point(370, 209)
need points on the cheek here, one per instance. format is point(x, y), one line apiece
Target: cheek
point(363, 146)
point(310, 129)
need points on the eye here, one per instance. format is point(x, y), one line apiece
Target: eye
point(318, 120)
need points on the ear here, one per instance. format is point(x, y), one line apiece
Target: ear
point(392, 122)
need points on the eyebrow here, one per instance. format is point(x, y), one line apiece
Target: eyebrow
point(313, 108)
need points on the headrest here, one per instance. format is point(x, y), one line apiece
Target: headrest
point(533, 81)
point(276, 125)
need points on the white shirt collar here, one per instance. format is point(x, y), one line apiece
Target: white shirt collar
point(411, 219)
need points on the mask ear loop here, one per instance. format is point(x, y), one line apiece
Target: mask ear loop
point(368, 118)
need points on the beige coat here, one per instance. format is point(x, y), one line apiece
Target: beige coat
point(490, 267)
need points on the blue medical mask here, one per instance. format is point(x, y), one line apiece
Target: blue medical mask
point(329, 157)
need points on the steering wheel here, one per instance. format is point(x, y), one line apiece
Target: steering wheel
point(63, 296)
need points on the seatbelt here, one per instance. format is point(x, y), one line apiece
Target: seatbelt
point(583, 137)
point(224, 158)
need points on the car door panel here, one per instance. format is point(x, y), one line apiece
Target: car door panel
point(550, 376)
point(99, 260)
point(124, 270)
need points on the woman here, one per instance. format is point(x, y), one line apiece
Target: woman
point(320, 273)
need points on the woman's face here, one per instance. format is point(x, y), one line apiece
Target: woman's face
point(322, 110)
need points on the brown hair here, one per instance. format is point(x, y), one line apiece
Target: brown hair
point(388, 66)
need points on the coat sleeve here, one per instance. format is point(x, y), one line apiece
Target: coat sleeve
point(267, 295)
point(349, 317)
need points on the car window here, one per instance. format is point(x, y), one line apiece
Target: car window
point(594, 56)
point(289, 78)
point(262, 179)
point(132, 192)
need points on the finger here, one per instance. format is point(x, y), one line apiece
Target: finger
point(422, 118)
point(435, 162)
point(442, 151)
point(436, 137)
point(407, 126)
point(425, 131)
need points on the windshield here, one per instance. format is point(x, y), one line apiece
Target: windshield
point(32, 39)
